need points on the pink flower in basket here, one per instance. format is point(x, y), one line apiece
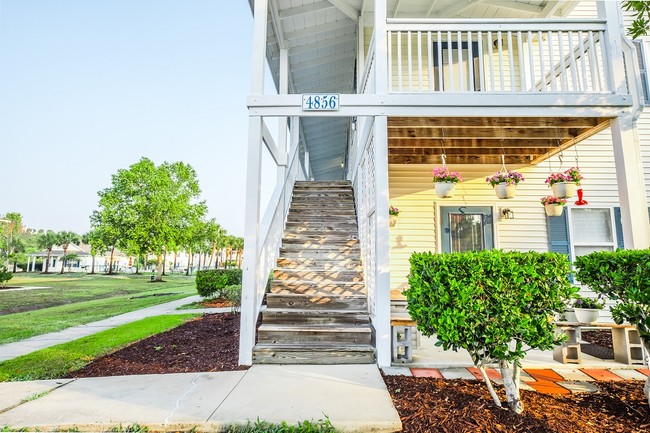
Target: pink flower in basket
point(444, 175)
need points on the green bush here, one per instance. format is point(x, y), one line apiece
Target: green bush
point(5, 276)
point(233, 295)
point(212, 282)
point(496, 305)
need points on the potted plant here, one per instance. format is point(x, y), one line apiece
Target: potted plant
point(505, 183)
point(444, 181)
point(393, 212)
point(587, 310)
point(553, 205)
point(564, 184)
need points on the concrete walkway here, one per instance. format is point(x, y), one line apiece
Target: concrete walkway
point(353, 397)
point(38, 342)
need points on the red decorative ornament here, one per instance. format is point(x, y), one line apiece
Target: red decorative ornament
point(580, 201)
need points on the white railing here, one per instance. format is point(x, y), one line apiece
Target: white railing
point(272, 225)
point(362, 175)
point(368, 77)
point(529, 56)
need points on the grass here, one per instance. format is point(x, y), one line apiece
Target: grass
point(80, 299)
point(320, 426)
point(57, 361)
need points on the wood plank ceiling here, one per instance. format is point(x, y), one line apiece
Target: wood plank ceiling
point(482, 140)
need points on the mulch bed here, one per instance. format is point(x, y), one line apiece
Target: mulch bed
point(461, 406)
point(211, 343)
point(600, 343)
point(208, 343)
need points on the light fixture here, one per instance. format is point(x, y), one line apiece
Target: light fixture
point(507, 214)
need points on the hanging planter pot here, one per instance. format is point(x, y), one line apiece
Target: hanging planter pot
point(393, 214)
point(444, 189)
point(564, 189)
point(587, 315)
point(393, 220)
point(505, 191)
point(553, 205)
point(553, 209)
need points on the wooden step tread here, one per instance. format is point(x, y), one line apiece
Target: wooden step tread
point(351, 312)
point(321, 328)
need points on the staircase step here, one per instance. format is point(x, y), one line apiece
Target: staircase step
point(322, 226)
point(323, 196)
point(320, 254)
point(319, 237)
point(316, 302)
point(277, 333)
point(319, 183)
point(290, 275)
point(345, 247)
point(320, 317)
point(326, 211)
point(316, 204)
point(285, 263)
point(311, 243)
point(323, 219)
point(313, 354)
point(319, 288)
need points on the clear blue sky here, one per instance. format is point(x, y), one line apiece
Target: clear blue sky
point(91, 86)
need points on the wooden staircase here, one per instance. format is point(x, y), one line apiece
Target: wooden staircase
point(317, 311)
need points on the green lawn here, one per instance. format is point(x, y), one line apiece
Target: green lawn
point(76, 299)
point(57, 361)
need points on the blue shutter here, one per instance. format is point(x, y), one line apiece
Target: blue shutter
point(620, 241)
point(558, 234)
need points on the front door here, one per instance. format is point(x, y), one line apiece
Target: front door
point(466, 228)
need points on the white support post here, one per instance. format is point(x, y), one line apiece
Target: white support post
point(249, 307)
point(382, 250)
point(282, 125)
point(28, 260)
point(630, 179)
point(615, 63)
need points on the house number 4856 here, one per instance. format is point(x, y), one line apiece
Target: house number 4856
point(322, 102)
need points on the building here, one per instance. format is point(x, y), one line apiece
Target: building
point(376, 91)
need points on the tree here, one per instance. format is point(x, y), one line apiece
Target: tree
point(150, 207)
point(11, 230)
point(46, 240)
point(64, 239)
point(641, 12)
point(494, 304)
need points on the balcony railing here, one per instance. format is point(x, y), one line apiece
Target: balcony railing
point(531, 56)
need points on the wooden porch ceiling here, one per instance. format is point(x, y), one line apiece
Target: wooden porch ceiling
point(482, 140)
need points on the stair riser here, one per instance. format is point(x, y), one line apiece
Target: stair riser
point(300, 287)
point(322, 197)
point(322, 238)
point(322, 220)
point(316, 303)
point(296, 265)
point(316, 319)
point(317, 276)
point(317, 205)
point(349, 247)
point(309, 357)
point(319, 254)
point(290, 336)
point(323, 213)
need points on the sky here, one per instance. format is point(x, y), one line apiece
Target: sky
point(91, 86)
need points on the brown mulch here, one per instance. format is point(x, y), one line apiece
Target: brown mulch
point(461, 406)
point(208, 343)
point(215, 303)
point(601, 337)
point(211, 343)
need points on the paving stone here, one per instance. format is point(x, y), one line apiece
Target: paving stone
point(397, 371)
point(427, 372)
point(578, 386)
point(525, 377)
point(602, 374)
point(548, 387)
point(457, 373)
point(629, 374)
point(523, 386)
point(574, 375)
point(492, 374)
point(644, 371)
point(544, 374)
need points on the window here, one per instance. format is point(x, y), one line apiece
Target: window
point(641, 46)
point(592, 229)
point(454, 70)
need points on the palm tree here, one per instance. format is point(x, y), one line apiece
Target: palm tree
point(65, 239)
point(47, 240)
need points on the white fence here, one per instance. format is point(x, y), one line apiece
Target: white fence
point(497, 56)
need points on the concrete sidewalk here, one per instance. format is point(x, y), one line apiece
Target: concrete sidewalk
point(353, 397)
point(38, 342)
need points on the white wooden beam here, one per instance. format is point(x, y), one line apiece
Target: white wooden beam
point(457, 7)
point(335, 25)
point(431, 8)
point(259, 46)
point(515, 6)
point(277, 25)
point(325, 60)
point(302, 10)
point(396, 8)
point(346, 8)
point(552, 6)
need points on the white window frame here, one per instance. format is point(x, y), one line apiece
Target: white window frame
point(613, 244)
point(438, 222)
point(644, 42)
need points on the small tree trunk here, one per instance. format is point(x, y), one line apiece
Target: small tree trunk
point(65, 252)
point(214, 249)
point(189, 262)
point(486, 379)
point(110, 263)
point(159, 273)
point(47, 262)
point(92, 264)
point(198, 268)
point(15, 264)
point(510, 375)
point(175, 257)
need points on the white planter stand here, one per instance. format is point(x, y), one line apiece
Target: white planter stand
point(505, 191)
point(553, 209)
point(564, 189)
point(444, 189)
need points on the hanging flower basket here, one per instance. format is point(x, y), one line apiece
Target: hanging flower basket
point(393, 213)
point(553, 205)
point(444, 181)
point(564, 184)
point(505, 183)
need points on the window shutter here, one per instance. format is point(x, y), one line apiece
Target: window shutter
point(558, 234)
point(643, 68)
point(620, 241)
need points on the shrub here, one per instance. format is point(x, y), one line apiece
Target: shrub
point(5, 276)
point(232, 294)
point(212, 282)
point(494, 304)
point(623, 276)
